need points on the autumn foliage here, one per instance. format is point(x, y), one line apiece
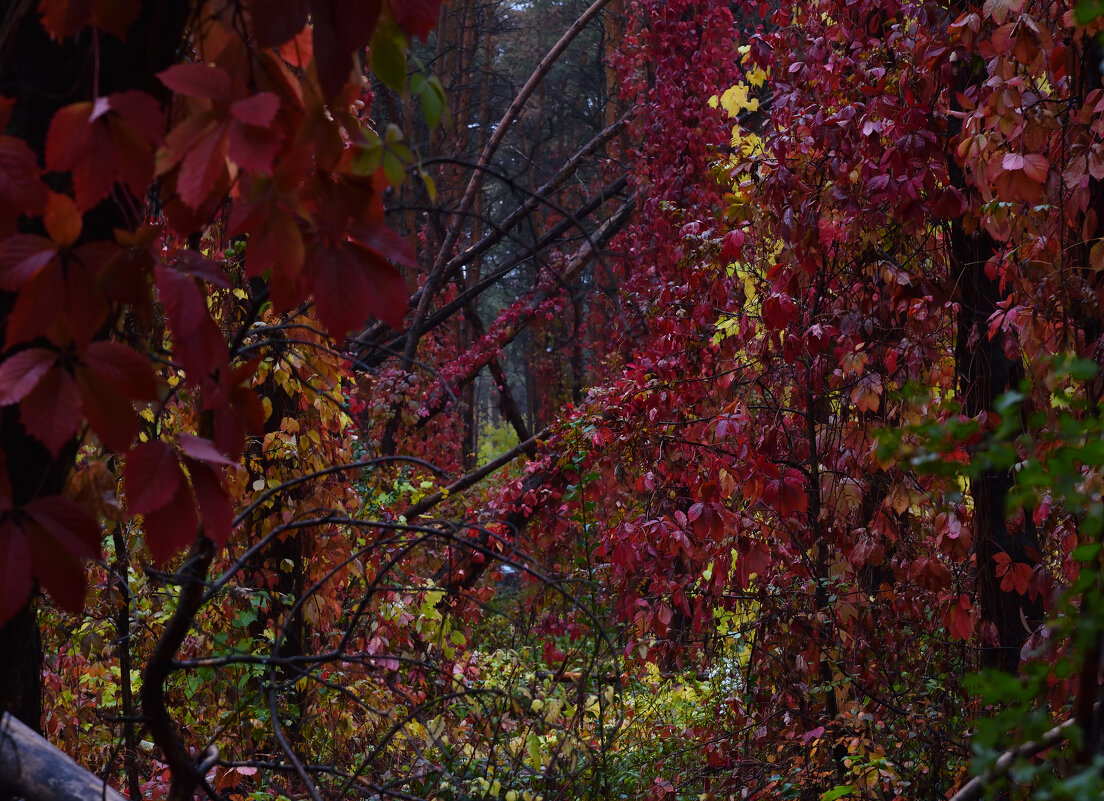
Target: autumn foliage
point(801, 496)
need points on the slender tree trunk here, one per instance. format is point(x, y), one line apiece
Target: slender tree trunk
point(984, 372)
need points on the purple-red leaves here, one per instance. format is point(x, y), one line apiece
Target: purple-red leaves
point(152, 476)
point(22, 257)
point(416, 17)
point(16, 571)
point(786, 493)
point(1013, 575)
point(351, 282)
point(122, 369)
point(173, 526)
point(21, 189)
point(1022, 176)
point(106, 141)
point(63, 18)
point(959, 618)
point(198, 346)
point(221, 126)
point(51, 412)
point(342, 28)
point(19, 374)
point(158, 489)
point(54, 393)
point(274, 22)
point(48, 539)
point(198, 80)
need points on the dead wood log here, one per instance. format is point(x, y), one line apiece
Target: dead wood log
point(33, 769)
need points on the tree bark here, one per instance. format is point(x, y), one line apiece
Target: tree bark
point(984, 372)
point(33, 769)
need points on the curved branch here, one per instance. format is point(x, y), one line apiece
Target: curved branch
point(974, 788)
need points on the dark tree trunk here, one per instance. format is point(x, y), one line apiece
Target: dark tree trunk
point(984, 372)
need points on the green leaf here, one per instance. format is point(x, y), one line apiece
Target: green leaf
point(393, 134)
point(388, 53)
point(1087, 552)
point(366, 160)
point(432, 107)
point(393, 168)
point(371, 138)
point(839, 791)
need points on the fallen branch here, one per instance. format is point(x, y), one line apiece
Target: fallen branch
point(34, 769)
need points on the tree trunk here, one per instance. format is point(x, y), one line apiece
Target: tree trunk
point(984, 372)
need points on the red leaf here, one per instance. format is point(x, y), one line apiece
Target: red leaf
point(21, 190)
point(385, 242)
point(778, 311)
point(62, 535)
point(152, 476)
point(68, 523)
point(732, 245)
point(202, 450)
point(182, 299)
point(15, 569)
point(787, 493)
point(63, 18)
point(62, 574)
point(298, 51)
point(214, 503)
point(109, 413)
point(37, 310)
point(812, 734)
point(142, 114)
point(116, 16)
point(416, 17)
point(172, 527)
point(21, 258)
point(244, 413)
point(390, 295)
point(1036, 166)
point(278, 245)
point(341, 290)
point(198, 80)
point(74, 142)
point(133, 157)
point(19, 374)
point(274, 22)
point(252, 148)
point(959, 618)
point(259, 109)
point(106, 141)
point(341, 28)
point(52, 410)
point(199, 266)
point(202, 168)
point(1021, 576)
point(123, 369)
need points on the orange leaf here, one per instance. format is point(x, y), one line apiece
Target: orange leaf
point(63, 219)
